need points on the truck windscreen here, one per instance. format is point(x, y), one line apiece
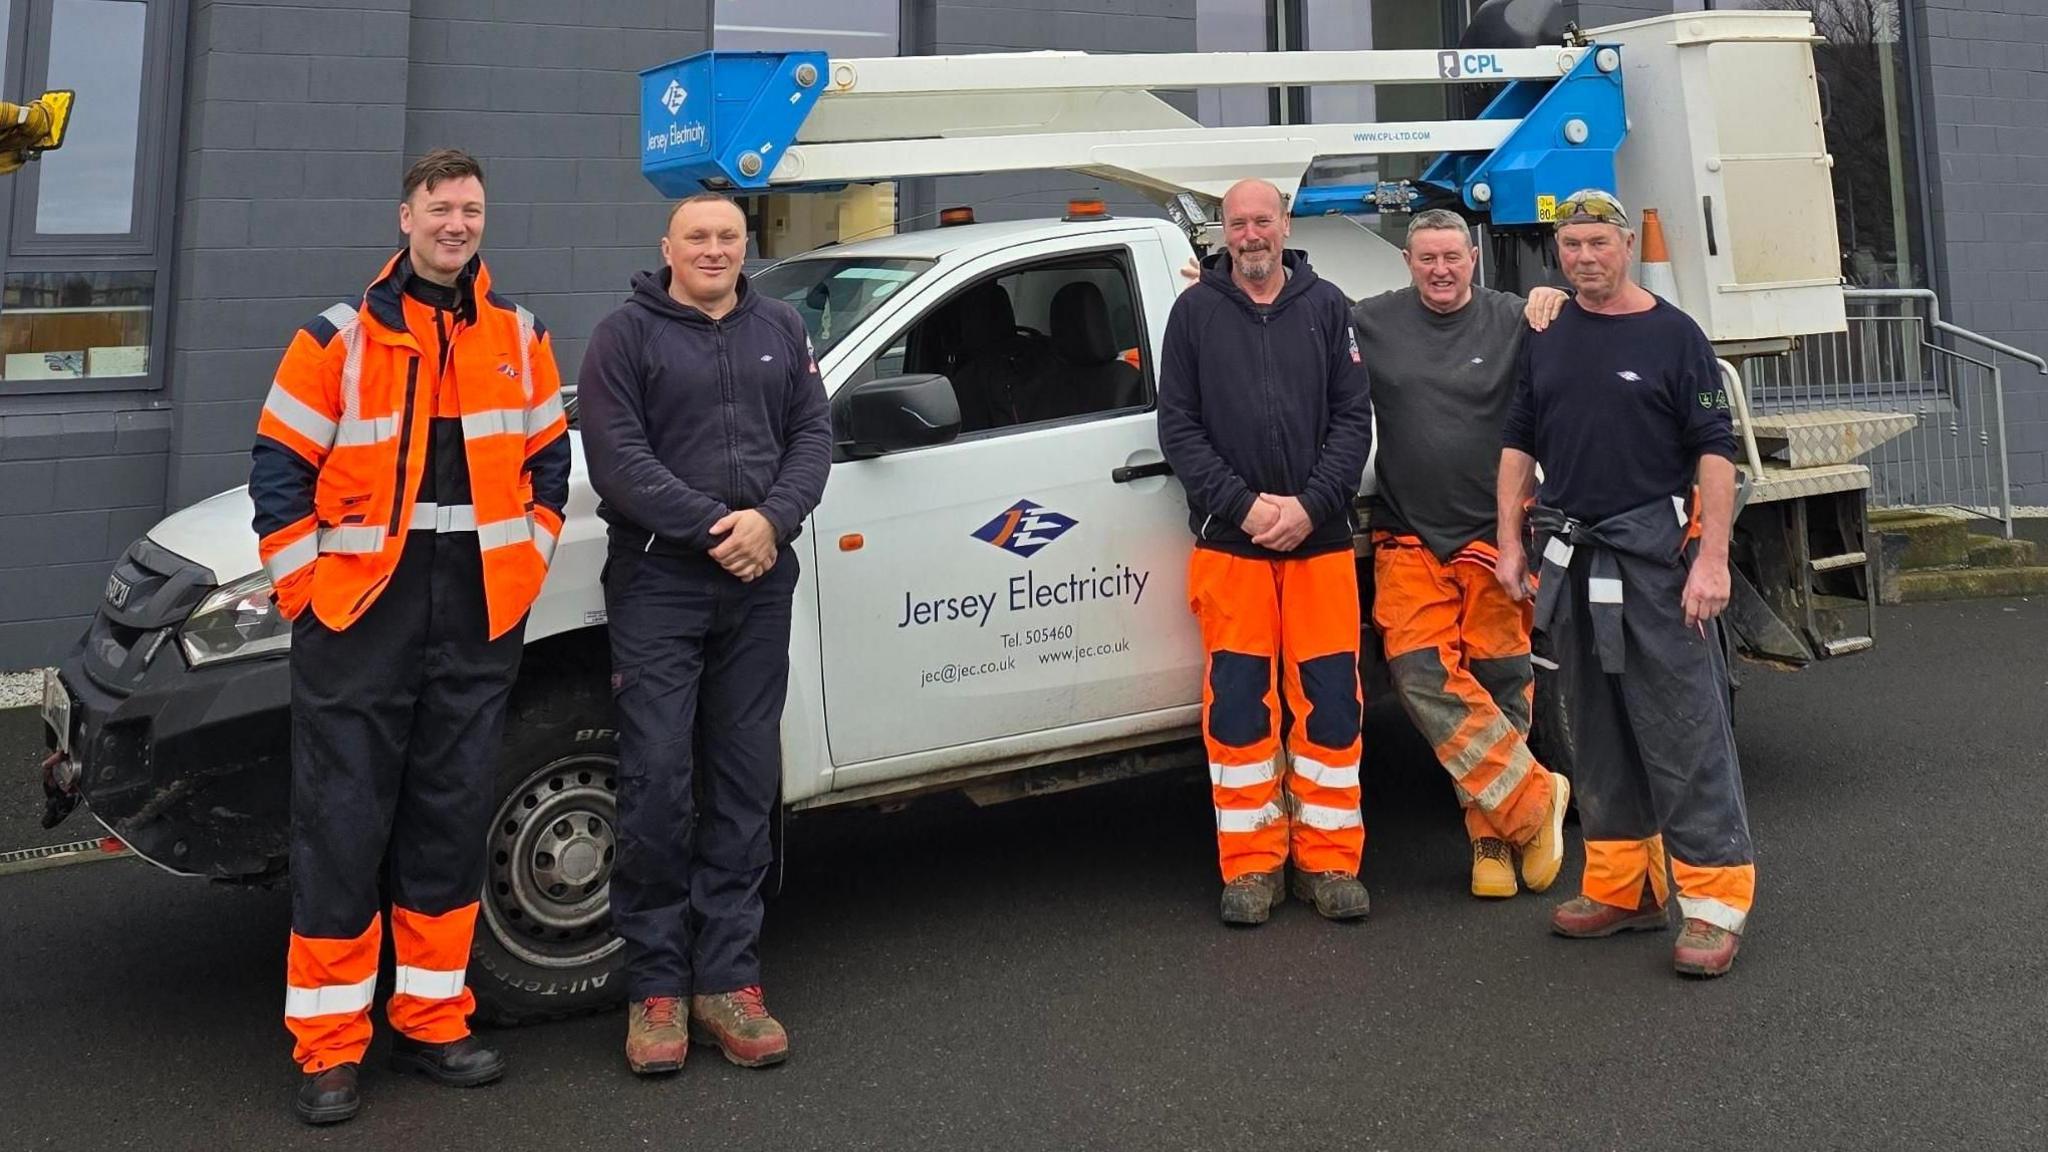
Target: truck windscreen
point(835, 295)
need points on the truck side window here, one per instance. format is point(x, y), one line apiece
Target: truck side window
point(1056, 340)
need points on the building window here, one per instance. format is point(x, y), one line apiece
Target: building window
point(848, 29)
point(84, 239)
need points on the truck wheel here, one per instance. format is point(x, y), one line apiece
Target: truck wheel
point(544, 946)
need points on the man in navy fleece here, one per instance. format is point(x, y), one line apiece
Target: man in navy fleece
point(1621, 403)
point(709, 439)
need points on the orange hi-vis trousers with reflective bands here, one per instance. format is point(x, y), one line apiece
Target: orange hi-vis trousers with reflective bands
point(1270, 626)
point(1458, 652)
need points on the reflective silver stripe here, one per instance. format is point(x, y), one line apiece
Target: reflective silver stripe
point(340, 315)
point(345, 320)
point(543, 414)
point(1240, 775)
point(443, 517)
point(493, 422)
point(429, 983)
point(329, 999)
point(525, 349)
point(356, 538)
point(542, 539)
point(294, 414)
point(1327, 818)
point(1603, 590)
point(499, 533)
point(1558, 552)
point(292, 557)
point(1246, 819)
point(1326, 775)
point(1510, 778)
point(1475, 749)
point(1713, 912)
point(356, 433)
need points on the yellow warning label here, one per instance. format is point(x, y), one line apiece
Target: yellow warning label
point(1546, 209)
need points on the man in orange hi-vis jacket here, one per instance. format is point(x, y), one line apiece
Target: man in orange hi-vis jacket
point(1265, 416)
point(410, 473)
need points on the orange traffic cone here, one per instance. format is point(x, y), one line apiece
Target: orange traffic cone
point(1657, 274)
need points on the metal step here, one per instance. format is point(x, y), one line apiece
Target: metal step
point(1799, 483)
point(1845, 560)
point(1826, 436)
point(1848, 644)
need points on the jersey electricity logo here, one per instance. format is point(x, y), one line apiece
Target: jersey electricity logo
point(1024, 528)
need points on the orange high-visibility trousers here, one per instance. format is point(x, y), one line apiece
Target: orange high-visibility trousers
point(1457, 650)
point(1273, 626)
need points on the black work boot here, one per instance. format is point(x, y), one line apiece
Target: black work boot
point(328, 1097)
point(1336, 895)
point(464, 1063)
point(1250, 898)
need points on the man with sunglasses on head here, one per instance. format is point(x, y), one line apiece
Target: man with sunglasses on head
point(1621, 403)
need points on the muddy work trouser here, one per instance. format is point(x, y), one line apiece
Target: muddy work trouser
point(396, 726)
point(1270, 626)
point(1656, 770)
point(700, 670)
point(1458, 652)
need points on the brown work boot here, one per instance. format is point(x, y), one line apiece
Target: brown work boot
point(1493, 869)
point(1251, 898)
point(655, 1038)
point(1543, 857)
point(1584, 918)
point(1336, 895)
point(739, 1024)
point(1705, 949)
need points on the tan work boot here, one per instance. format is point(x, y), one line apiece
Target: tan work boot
point(1493, 869)
point(1336, 895)
point(1705, 949)
point(739, 1024)
point(1544, 856)
point(1251, 898)
point(655, 1038)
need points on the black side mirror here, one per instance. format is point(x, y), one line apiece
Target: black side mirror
point(875, 417)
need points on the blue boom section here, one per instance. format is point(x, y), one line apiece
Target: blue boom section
point(724, 117)
point(1569, 132)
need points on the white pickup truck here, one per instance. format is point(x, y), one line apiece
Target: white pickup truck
point(1002, 608)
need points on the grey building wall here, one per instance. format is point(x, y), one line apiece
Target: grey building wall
point(78, 481)
point(1984, 88)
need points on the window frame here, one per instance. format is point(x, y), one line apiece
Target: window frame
point(149, 244)
point(1124, 262)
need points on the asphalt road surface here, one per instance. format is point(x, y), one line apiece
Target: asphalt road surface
point(1050, 974)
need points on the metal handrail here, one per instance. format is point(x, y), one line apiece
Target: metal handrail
point(1940, 325)
point(1741, 400)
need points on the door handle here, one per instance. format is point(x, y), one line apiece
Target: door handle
point(1130, 472)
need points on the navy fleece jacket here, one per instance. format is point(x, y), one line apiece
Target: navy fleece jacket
point(1265, 398)
point(686, 418)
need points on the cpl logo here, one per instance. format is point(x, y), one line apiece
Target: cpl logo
point(1024, 528)
point(1453, 65)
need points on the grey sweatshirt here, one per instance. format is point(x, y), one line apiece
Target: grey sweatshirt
point(1442, 386)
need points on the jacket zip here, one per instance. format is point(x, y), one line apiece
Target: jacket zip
point(725, 392)
point(398, 508)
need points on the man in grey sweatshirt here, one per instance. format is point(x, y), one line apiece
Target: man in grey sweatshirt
point(1444, 356)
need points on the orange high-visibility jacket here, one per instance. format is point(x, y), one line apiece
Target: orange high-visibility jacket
point(342, 445)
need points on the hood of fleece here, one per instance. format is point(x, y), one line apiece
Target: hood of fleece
point(650, 291)
point(1301, 277)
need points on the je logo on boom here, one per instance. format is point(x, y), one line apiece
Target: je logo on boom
point(1024, 528)
point(673, 98)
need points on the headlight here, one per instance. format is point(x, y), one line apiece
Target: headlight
point(236, 622)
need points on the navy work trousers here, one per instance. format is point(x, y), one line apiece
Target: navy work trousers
point(700, 669)
point(396, 726)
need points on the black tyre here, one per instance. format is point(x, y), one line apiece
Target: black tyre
point(544, 947)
